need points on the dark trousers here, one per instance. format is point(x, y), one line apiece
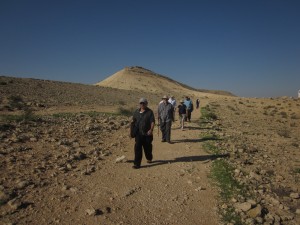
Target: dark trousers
point(142, 141)
point(165, 128)
point(188, 116)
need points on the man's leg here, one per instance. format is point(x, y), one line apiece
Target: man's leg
point(163, 130)
point(138, 151)
point(183, 119)
point(168, 131)
point(147, 144)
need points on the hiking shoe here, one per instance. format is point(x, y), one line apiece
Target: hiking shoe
point(170, 142)
point(163, 140)
point(136, 167)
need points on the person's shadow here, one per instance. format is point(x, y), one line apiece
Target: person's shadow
point(212, 138)
point(185, 159)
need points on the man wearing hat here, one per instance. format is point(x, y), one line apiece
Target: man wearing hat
point(172, 100)
point(144, 121)
point(165, 118)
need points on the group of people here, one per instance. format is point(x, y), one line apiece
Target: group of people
point(144, 121)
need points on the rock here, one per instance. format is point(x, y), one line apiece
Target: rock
point(91, 212)
point(245, 206)
point(294, 195)
point(200, 189)
point(3, 197)
point(255, 212)
point(15, 203)
point(22, 184)
point(121, 159)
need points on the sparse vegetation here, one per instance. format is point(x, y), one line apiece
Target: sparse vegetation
point(284, 133)
point(126, 112)
point(16, 102)
point(284, 115)
point(207, 114)
point(222, 174)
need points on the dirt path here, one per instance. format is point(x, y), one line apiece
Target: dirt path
point(174, 189)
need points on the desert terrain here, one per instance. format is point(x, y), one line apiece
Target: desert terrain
point(66, 156)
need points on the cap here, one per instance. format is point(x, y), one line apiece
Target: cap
point(165, 97)
point(143, 100)
point(181, 101)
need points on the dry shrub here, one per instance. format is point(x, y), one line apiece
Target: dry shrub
point(284, 133)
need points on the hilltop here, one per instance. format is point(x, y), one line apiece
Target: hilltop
point(139, 78)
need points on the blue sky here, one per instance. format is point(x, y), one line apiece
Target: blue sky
point(248, 47)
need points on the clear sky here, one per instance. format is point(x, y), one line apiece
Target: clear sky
point(248, 47)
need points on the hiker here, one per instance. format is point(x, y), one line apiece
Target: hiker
point(182, 113)
point(197, 103)
point(189, 107)
point(173, 102)
point(144, 122)
point(165, 118)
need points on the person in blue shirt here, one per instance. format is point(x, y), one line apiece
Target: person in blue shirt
point(189, 107)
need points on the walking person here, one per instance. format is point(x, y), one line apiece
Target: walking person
point(144, 121)
point(197, 103)
point(189, 107)
point(172, 100)
point(165, 118)
point(182, 113)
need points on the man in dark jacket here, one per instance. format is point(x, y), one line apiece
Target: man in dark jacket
point(144, 122)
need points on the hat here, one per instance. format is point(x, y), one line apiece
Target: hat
point(143, 100)
point(181, 101)
point(165, 97)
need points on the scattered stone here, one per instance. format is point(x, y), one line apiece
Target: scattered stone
point(255, 212)
point(295, 195)
point(121, 159)
point(15, 203)
point(91, 212)
point(245, 206)
point(4, 197)
point(200, 189)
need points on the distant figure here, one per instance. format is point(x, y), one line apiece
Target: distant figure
point(165, 115)
point(173, 102)
point(197, 103)
point(299, 94)
point(144, 122)
point(189, 107)
point(182, 113)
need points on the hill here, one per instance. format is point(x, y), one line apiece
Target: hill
point(139, 78)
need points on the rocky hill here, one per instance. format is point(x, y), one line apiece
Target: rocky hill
point(139, 78)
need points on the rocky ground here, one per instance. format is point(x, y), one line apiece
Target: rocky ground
point(65, 160)
point(263, 139)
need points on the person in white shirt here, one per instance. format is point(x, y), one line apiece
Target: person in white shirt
point(165, 118)
point(172, 100)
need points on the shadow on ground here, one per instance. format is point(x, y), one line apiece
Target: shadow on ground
point(197, 140)
point(184, 159)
